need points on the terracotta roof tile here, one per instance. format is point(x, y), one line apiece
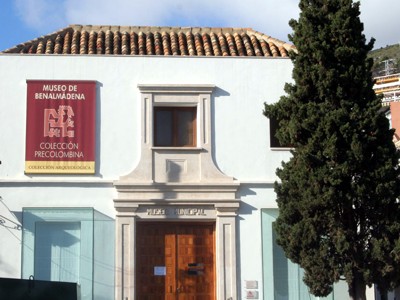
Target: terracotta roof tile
point(75, 42)
point(117, 43)
point(92, 42)
point(173, 37)
point(149, 37)
point(231, 44)
point(223, 43)
point(215, 45)
point(134, 44)
point(207, 45)
point(100, 42)
point(183, 49)
point(109, 42)
point(198, 41)
point(190, 44)
point(158, 44)
point(136, 40)
point(58, 45)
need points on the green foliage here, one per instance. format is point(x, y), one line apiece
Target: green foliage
point(339, 214)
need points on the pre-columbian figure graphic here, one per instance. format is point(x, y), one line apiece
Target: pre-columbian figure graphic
point(56, 123)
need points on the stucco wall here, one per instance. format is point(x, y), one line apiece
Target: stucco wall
point(240, 136)
point(241, 131)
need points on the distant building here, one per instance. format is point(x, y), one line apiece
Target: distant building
point(388, 87)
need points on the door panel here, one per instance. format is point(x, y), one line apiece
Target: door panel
point(195, 263)
point(184, 252)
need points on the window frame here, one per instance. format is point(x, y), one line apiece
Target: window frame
point(175, 125)
point(273, 140)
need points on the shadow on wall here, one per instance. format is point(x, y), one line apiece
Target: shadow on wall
point(218, 92)
point(250, 189)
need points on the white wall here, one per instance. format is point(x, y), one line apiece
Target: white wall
point(243, 85)
point(241, 135)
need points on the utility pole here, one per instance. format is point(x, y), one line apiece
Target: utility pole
point(389, 66)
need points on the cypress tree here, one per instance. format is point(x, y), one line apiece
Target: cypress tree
point(339, 215)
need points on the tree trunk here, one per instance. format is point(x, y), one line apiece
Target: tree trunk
point(383, 293)
point(357, 289)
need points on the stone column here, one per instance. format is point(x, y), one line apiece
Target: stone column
point(226, 253)
point(125, 257)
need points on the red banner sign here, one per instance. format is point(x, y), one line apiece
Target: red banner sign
point(60, 127)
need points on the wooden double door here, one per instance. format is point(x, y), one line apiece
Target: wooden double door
point(175, 261)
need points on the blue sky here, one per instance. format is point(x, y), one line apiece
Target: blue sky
point(23, 20)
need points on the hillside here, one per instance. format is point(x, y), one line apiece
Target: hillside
point(386, 57)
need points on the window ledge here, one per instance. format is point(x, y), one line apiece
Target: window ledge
point(281, 148)
point(178, 148)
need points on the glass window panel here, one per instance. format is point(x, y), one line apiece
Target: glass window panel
point(163, 127)
point(185, 128)
point(284, 279)
point(175, 126)
point(274, 142)
point(57, 251)
point(41, 238)
point(273, 126)
point(280, 267)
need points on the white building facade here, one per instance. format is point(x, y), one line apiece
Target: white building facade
point(162, 213)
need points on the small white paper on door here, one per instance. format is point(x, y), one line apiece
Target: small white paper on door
point(160, 271)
